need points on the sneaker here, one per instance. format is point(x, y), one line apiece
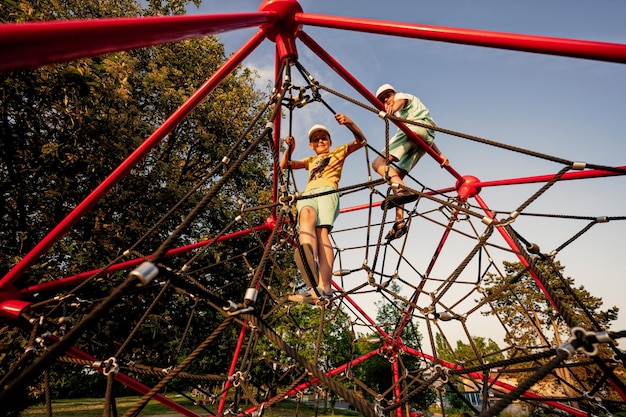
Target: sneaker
point(310, 297)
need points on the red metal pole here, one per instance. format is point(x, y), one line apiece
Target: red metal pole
point(409, 312)
point(600, 51)
point(573, 175)
point(130, 162)
point(331, 62)
point(233, 365)
point(134, 384)
point(358, 308)
point(594, 173)
point(397, 392)
point(24, 45)
point(314, 381)
point(509, 240)
point(78, 278)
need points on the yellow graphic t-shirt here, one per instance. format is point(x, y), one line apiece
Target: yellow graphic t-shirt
point(325, 169)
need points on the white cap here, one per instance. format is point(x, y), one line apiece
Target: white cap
point(384, 88)
point(316, 128)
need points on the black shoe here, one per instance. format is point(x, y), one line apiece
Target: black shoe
point(398, 230)
point(399, 199)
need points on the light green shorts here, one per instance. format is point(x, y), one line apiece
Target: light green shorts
point(326, 206)
point(407, 153)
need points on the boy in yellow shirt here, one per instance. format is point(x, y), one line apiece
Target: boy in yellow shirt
point(316, 215)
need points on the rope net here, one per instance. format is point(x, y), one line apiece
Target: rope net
point(463, 311)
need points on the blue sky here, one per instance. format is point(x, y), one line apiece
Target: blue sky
point(569, 108)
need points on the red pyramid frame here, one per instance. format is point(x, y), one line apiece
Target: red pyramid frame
point(282, 22)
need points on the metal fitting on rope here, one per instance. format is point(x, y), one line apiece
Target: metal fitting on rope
point(579, 165)
point(442, 373)
point(382, 114)
point(269, 125)
point(603, 337)
point(602, 219)
point(41, 340)
point(225, 160)
point(533, 248)
point(379, 410)
point(510, 219)
point(233, 309)
point(586, 341)
point(251, 295)
point(65, 320)
point(238, 377)
point(486, 220)
point(287, 200)
point(445, 316)
point(110, 367)
point(567, 348)
point(144, 272)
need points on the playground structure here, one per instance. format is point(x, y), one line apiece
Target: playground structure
point(432, 300)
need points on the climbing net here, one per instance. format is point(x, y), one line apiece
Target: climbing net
point(443, 277)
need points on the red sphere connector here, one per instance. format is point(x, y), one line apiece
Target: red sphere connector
point(284, 31)
point(468, 187)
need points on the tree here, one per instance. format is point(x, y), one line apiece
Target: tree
point(65, 127)
point(530, 318)
point(474, 353)
point(534, 324)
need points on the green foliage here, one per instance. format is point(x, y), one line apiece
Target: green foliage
point(474, 353)
point(528, 313)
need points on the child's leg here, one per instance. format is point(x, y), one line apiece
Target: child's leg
point(325, 252)
point(307, 220)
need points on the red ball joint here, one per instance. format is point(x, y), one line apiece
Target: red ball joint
point(284, 31)
point(467, 187)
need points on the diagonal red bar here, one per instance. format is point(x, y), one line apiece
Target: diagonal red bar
point(600, 51)
point(83, 276)
point(134, 384)
point(24, 45)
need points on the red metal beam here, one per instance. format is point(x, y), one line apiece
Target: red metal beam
point(509, 240)
point(600, 51)
point(572, 175)
point(25, 45)
point(78, 278)
point(135, 385)
point(120, 172)
point(314, 381)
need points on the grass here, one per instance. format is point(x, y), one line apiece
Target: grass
point(85, 407)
